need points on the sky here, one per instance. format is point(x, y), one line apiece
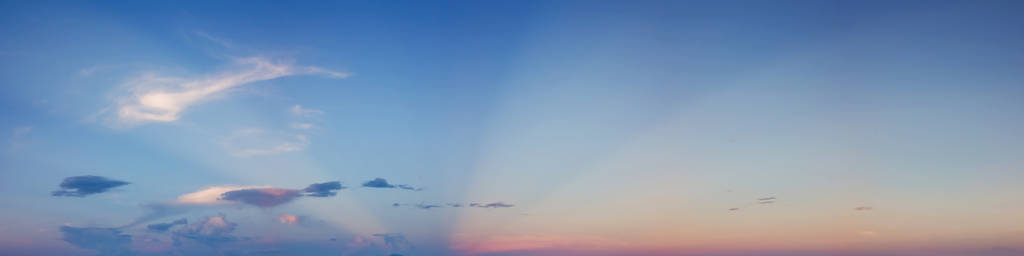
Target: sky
point(719, 128)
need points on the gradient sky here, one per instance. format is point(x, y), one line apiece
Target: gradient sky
point(723, 128)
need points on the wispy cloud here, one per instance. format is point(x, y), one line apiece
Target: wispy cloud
point(300, 111)
point(863, 208)
point(81, 186)
point(165, 226)
point(256, 142)
point(492, 205)
point(155, 98)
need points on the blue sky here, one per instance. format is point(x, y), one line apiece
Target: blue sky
point(606, 127)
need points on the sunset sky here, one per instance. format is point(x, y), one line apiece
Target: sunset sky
point(719, 128)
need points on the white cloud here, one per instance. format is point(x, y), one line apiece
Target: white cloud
point(305, 112)
point(155, 98)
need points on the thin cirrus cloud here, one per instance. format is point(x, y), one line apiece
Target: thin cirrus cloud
point(256, 142)
point(81, 186)
point(161, 99)
point(863, 208)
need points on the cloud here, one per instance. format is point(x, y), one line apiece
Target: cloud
point(378, 183)
point(262, 197)
point(454, 204)
point(325, 189)
point(154, 98)
point(734, 209)
point(382, 183)
point(863, 208)
point(165, 226)
point(256, 142)
point(210, 230)
point(766, 198)
point(81, 186)
point(305, 112)
point(766, 202)
point(407, 187)
point(210, 195)
point(395, 243)
point(108, 241)
point(288, 219)
point(427, 206)
point(492, 205)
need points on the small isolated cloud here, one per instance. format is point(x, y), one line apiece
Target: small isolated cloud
point(81, 186)
point(325, 189)
point(107, 241)
point(288, 219)
point(382, 183)
point(766, 202)
point(427, 206)
point(454, 204)
point(262, 197)
point(407, 187)
point(210, 230)
point(298, 110)
point(734, 209)
point(491, 205)
point(863, 208)
point(165, 226)
point(154, 98)
point(378, 183)
point(766, 198)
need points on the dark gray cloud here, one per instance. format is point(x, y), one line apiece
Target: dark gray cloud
point(378, 183)
point(262, 197)
point(107, 241)
point(766, 198)
point(734, 209)
point(454, 204)
point(210, 230)
point(80, 186)
point(325, 189)
point(492, 205)
point(165, 226)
